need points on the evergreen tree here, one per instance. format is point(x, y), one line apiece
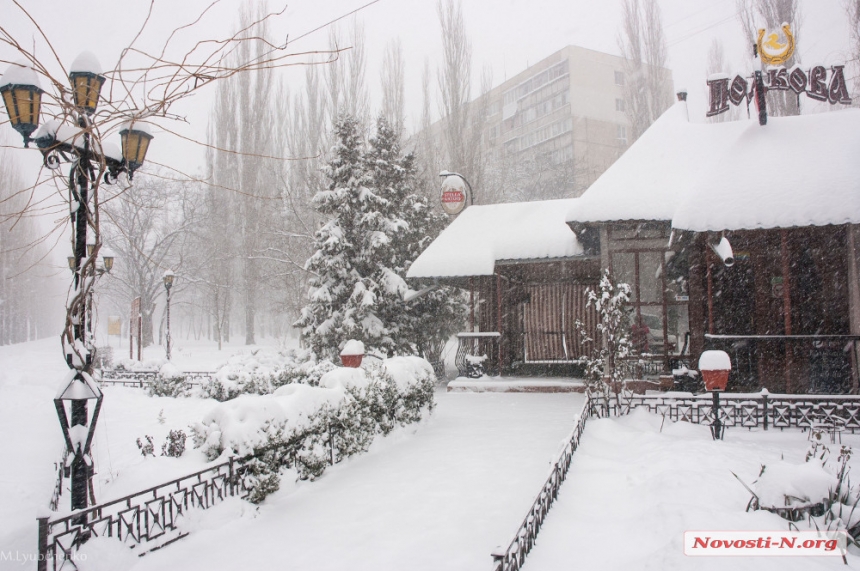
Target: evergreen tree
point(378, 224)
point(349, 246)
point(421, 326)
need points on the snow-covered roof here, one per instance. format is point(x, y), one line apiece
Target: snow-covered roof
point(482, 235)
point(795, 171)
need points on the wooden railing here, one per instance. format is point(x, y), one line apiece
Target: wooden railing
point(511, 558)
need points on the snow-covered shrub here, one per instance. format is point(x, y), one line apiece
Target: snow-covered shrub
point(816, 495)
point(174, 444)
point(126, 364)
point(302, 427)
point(603, 366)
point(263, 371)
point(147, 449)
point(170, 382)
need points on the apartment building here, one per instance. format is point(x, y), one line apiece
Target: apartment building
point(559, 124)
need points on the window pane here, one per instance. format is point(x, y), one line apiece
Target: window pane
point(650, 280)
point(622, 269)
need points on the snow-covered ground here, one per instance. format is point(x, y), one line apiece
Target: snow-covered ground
point(633, 490)
point(441, 494)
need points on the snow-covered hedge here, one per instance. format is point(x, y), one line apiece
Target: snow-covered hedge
point(301, 427)
point(170, 382)
point(263, 371)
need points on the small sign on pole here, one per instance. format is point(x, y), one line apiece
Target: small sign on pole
point(453, 193)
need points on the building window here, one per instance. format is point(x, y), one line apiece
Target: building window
point(619, 78)
point(621, 134)
point(620, 105)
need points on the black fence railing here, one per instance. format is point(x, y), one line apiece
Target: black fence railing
point(749, 410)
point(511, 558)
point(140, 379)
point(58, 486)
point(148, 520)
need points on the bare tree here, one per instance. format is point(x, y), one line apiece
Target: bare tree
point(26, 277)
point(144, 225)
point(852, 10)
point(455, 85)
point(771, 14)
point(647, 90)
point(392, 79)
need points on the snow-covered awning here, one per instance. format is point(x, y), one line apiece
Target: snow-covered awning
point(482, 235)
point(795, 171)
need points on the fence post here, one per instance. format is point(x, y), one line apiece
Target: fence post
point(42, 563)
point(232, 480)
point(331, 444)
point(764, 408)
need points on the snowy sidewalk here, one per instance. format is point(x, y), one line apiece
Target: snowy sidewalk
point(441, 498)
point(632, 492)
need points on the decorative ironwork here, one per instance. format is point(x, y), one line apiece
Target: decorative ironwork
point(121, 378)
point(148, 520)
point(58, 487)
point(512, 557)
point(736, 410)
point(747, 410)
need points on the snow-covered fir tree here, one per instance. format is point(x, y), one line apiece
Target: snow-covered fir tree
point(378, 223)
point(423, 325)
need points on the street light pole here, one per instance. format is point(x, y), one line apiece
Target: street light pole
point(169, 276)
point(59, 142)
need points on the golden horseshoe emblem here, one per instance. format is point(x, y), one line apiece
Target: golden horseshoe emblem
point(771, 51)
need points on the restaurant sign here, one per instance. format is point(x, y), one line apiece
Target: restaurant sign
point(818, 82)
point(453, 194)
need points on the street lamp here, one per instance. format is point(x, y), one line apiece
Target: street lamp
point(169, 276)
point(73, 143)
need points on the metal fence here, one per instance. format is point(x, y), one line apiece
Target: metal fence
point(752, 410)
point(748, 410)
point(140, 379)
point(511, 558)
point(147, 520)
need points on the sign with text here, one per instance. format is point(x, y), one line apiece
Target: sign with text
point(453, 194)
point(817, 82)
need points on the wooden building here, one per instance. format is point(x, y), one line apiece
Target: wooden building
point(732, 235)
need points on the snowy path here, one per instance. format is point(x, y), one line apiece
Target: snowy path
point(632, 492)
point(441, 498)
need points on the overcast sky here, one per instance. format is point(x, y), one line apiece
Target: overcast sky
point(506, 35)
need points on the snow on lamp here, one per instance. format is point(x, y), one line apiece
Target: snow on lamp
point(715, 367)
point(87, 80)
point(76, 391)
point(22, 96)
point(352, 354)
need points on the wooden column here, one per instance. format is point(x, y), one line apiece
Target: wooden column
point(710, 287)
point(471, 304)
point(698, 319)
point(499, 325)
point(786, 304)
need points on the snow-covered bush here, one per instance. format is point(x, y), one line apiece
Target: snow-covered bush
point(611, 301)
point(170, 382)
point(174, 444)
point(263, 371)
point(302, 427)
point(816, 495)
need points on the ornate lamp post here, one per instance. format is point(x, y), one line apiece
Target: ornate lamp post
point(169, 276)
point(74, 143)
